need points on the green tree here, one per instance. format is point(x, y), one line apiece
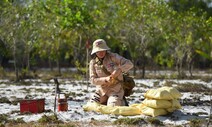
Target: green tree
point(12, 19)
point(187, 36)
point(186, 5)
point(63, 25)
point(140, 27)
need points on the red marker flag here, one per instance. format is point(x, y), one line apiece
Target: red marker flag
point(87, 44)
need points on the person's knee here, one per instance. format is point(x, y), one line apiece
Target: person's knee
point(114, 100)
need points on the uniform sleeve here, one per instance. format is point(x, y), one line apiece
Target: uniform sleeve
point(94, 79)
point(124, 64)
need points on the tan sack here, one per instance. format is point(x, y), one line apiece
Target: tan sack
point(117, 110)
point(92, 106)
point(158, 94)
point(173, 91)
point(157, 103)
point(152, 111)
point(138, 106)
point(175, 105)
point(172, 109)
point(120, 110)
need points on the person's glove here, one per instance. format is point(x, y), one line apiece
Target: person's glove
point(110, 81)
point(116, 73)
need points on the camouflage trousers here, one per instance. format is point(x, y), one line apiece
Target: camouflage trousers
point(109, 99)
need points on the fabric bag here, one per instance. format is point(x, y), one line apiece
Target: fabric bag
point(128, 85)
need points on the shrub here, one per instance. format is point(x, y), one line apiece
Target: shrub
point(49, 119)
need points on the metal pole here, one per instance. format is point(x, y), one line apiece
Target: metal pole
point(87, 66)
point(57, 90)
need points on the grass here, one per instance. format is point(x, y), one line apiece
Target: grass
point(53, 121)
point(189, 87)
point(4, 120)
point(49, 119)
point(196, 122)
point(46, 75)
point(4, 100)
point(42, 90)
point(154, 121)
point(130, 121)
point(33, 124)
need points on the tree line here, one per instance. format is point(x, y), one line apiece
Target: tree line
point(174, 34)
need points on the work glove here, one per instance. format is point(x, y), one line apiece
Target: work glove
point(116, 73)
point(109, 81)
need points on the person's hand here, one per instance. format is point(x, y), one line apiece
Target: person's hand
point(108, 79)
point(111, 80)
point(116, 73)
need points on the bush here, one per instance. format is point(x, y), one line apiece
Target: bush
point(49, 119)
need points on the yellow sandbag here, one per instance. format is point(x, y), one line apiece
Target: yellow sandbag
point(136, 105)
point(124, 110)
point(109, 110)
point(173, 91)
point(158, 94)
point(120, 110)
point(176, 104)
point(172, 109)
point(117, 110)
point(152, 112)
point(157, 103)
point(92, 106)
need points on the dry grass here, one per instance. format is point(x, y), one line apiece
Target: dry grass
point(189, 87)
point(45, 75)
point(53, 121)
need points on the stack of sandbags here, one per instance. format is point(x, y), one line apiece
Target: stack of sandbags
point(157, 102)
point(160, 101)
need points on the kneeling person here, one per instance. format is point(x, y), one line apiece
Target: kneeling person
point(106, 72)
